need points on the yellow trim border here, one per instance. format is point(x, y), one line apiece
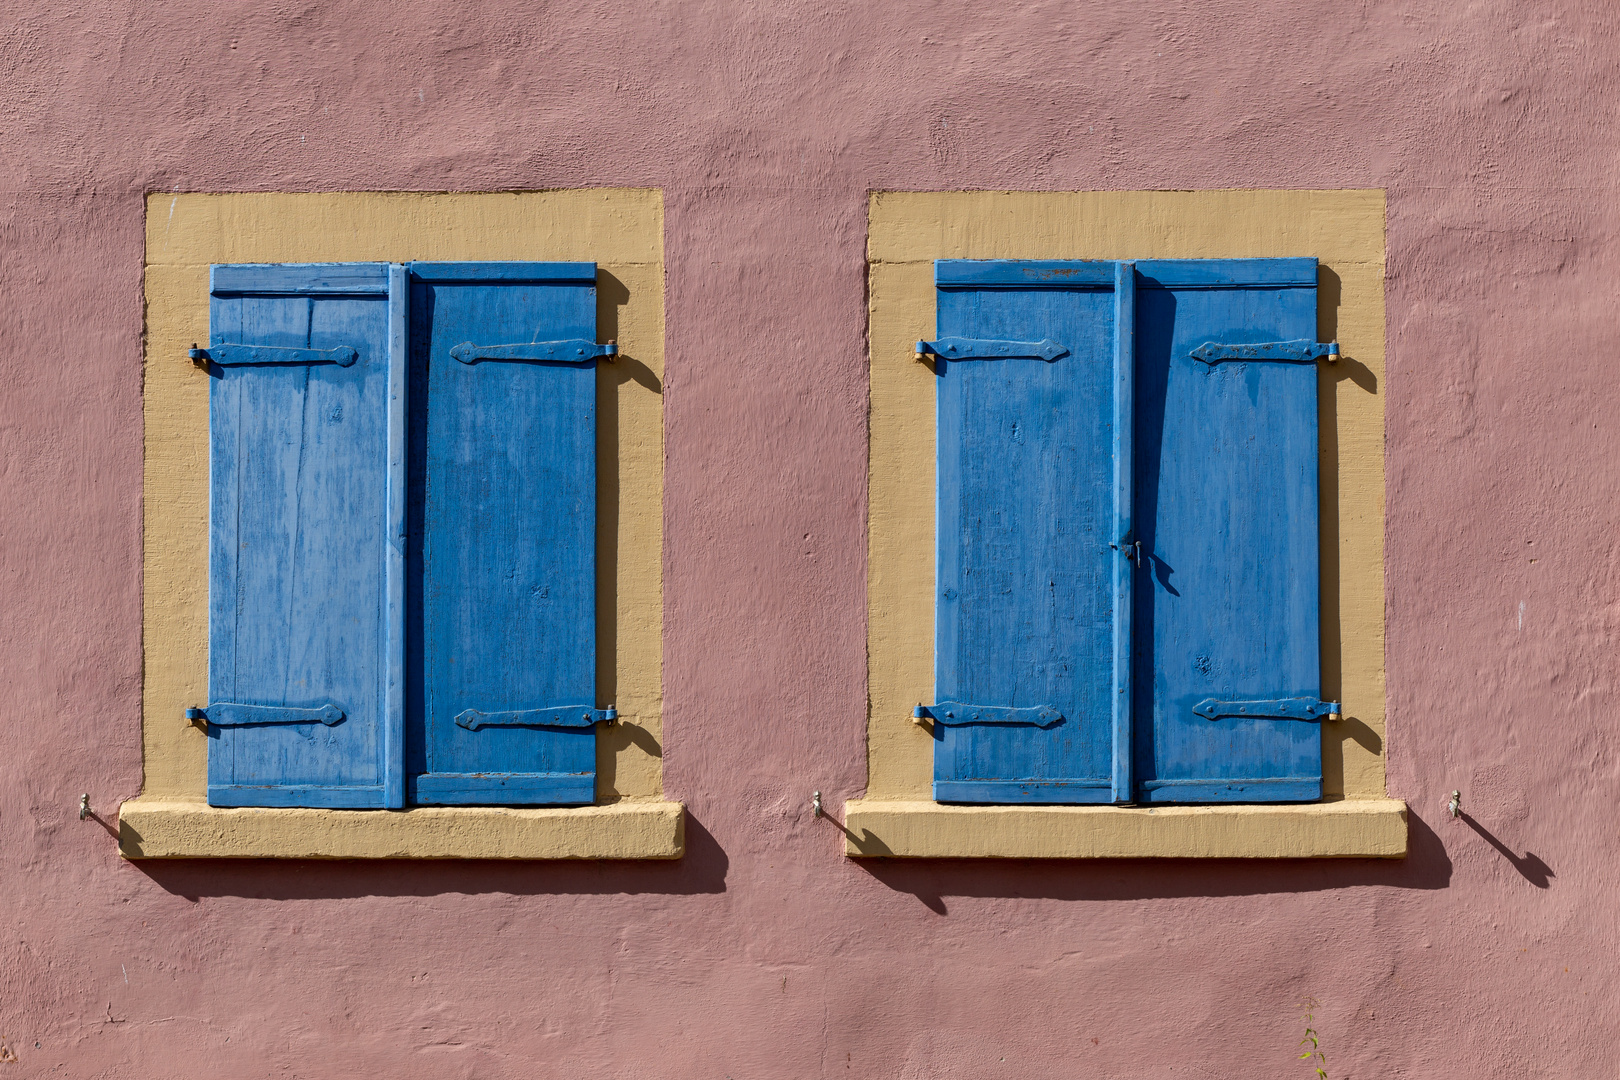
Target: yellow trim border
point(165, 828)
point(622, 231)
point(906, 232)
point(1355, 828)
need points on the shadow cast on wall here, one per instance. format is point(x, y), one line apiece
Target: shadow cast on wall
point(1529, 865)
point(1426, 866)
point(702, 870)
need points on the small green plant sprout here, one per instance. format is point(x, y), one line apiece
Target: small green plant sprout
point(1313, 1047)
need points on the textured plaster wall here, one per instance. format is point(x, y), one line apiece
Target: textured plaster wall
point(1490, 952)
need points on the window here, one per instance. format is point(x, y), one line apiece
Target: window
point(1034, 786)
point(340, 781)
point(1127, 577)
point(402, 581)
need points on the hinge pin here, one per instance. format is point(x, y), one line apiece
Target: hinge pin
point(84, 807)
point(1333, 352)
point(198, 356)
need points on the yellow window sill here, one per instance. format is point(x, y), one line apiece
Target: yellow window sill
point(1351, 828)
point(172, 828)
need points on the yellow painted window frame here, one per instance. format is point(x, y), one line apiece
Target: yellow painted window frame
point(907, 231)
point(621, 230)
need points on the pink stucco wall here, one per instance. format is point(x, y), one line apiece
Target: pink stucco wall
point(1490, 952)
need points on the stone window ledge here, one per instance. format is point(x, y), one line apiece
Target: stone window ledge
point(162, 827)
point(1348, 828)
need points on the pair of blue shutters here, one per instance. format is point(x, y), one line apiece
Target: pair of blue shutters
point(402, 557)
point(1127, 564)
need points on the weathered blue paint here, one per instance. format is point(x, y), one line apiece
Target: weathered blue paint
point(1025, 513)
point(1280, 708)
point(554, 273)
point(1024, 273)
point(573, 351)
point(568, 716)
point(1124, 530)
point(298, 475)
point(230, 714)
point(1227, 606)
point(299, 279)
point(229, 355)
point(961, 712)
point(399, 308)
point(1302, 351)
point(960, 348)
point(503, 550)
point(1225, 274)
point(1201, 483)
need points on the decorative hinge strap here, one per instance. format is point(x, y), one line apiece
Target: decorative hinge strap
point(574, 716)
point(572, 351)
point(1294, 708)
point(1300, 351)
point(954, 713)
point(230, 714)
point(961, 348)
point(237, 355)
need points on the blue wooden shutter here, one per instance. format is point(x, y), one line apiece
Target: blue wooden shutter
point(502, 704)
point(1227, 602)
point(1032, 522)
point(305, 625)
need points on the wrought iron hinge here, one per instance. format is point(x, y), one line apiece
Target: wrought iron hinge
point(230, 714)
point(568, 716)
point(572, 351)
point(1299, 351)
point(1296, 708)
point(237, 355)
point(961, 348)
point(955, 713)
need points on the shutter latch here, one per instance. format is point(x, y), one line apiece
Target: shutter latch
point(568, 716)
point(1294, 708)
point(1131, 549)
point(571, 351)
point(961, 348)
point(956, 713)
point(237, 355)
point(1299, 351)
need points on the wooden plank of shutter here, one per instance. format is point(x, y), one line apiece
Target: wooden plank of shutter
point(504, 488)
point(297, 542)
point(1026, 514)
point(1227, 601)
